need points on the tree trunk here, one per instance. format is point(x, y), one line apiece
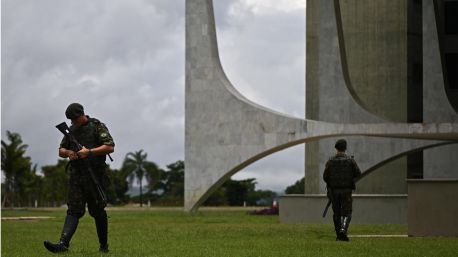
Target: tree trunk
point(141, 194)
point(4, 200)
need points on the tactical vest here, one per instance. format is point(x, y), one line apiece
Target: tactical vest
point(88, 136)
point(341, 172)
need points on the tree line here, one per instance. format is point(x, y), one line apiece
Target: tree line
point(24, 185)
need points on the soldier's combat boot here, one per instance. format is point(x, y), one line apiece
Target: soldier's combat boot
point(344, 229)
point(337, 226)
point(101, 223)
point(70, 225)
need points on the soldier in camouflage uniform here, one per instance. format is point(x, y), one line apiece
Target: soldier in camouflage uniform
point(97, 142)
point(340, 174)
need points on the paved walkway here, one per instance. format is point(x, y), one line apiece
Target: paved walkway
point(378, 236)
point(27, 218)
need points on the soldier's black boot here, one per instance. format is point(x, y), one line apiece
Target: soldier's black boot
point(101, 223)
point(344, 230)
point(70, 225)
point(337, 226)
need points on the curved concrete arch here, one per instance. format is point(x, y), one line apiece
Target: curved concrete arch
point(229, 173)
point(344, 105)
point(363, 52)
point(402, 154)
point(205, 59)
point(344, 63)
point(225, 132)
point(440, 44)
point(435, 92)
point(320, 130)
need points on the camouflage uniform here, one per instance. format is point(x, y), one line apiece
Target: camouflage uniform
point(89, 133)
point(339, 175)
point(81, 188)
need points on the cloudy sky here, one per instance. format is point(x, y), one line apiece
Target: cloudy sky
point(124, 61)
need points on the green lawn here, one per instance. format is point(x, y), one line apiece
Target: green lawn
point(171, 232)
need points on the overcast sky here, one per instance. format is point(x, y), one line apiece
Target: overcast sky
point(124, 61)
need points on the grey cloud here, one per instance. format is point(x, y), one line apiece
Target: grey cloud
point(124, 61)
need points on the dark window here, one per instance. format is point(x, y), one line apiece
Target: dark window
point(451, 61)
point(415, 94)
point(451, 17)
point(415, 165)
point(417, 73)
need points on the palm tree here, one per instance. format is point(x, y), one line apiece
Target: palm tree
point(136, 165)
point(15, 166)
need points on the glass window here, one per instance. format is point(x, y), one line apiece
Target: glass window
point(451, 17)
point(451, 61)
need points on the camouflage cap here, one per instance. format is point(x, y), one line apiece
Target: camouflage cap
point(341, 145)
point(74, 110)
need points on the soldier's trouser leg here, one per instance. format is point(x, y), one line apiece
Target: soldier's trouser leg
point(76, 209)
point(70, 225)
point(101, 223)
point(336, 208)
point(97, 211)
point(337, 225)
point(346, 214)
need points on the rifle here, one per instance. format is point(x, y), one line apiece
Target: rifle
point(63, 127)
point(329, 202)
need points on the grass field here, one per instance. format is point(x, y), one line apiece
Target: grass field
point(210, 232)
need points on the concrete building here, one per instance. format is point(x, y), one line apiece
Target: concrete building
point(379, 61)
point(365, 63)
point(374, 72)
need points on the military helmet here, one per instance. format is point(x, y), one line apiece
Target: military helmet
point(341, 145)
point(74, 110)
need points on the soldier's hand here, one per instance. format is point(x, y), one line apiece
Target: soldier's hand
point(84, 152)
point(72, 155)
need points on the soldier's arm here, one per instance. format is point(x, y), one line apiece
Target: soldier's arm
point(100, 150)
point(104, 136)
point(356, 170)
point(326, 172)
point(64, 150)
point(65, 153)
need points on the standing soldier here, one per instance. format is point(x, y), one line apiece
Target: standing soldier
point(340, 174)
point(96, 143)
